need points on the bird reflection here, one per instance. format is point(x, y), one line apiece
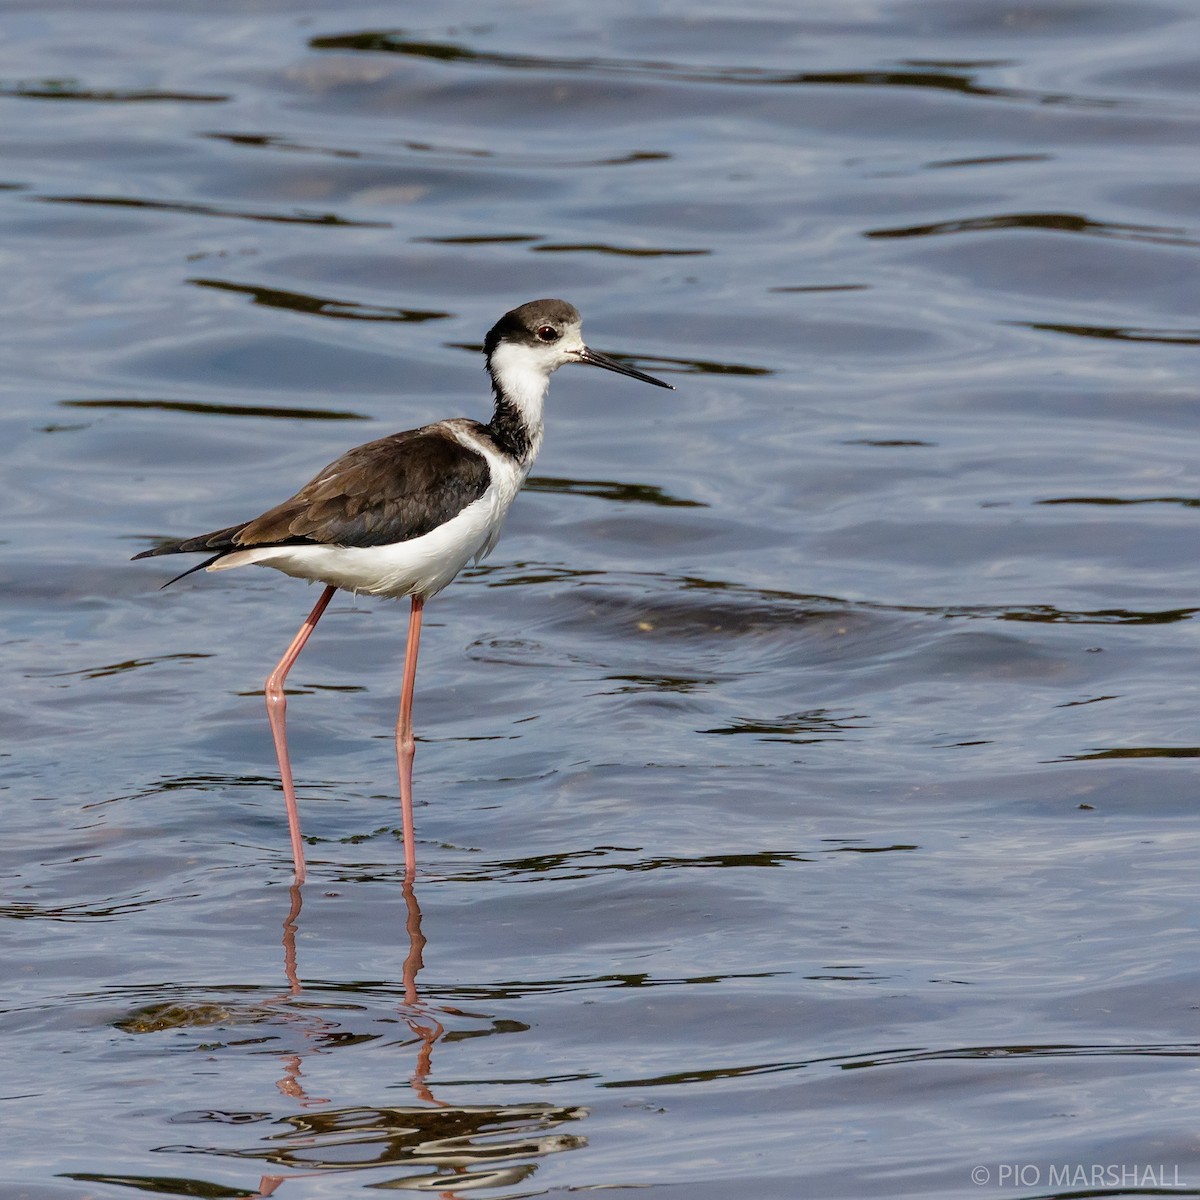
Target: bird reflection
point(427, 1028)
point(442, 1147)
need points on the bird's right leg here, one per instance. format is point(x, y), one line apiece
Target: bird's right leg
point(277, 713)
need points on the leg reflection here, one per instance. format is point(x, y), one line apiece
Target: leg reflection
point(423, 1024)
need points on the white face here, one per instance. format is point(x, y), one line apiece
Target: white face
point(522, 367)
point(568, 347)
point(571, 344)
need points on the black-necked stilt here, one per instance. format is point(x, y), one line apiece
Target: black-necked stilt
point(402, 516)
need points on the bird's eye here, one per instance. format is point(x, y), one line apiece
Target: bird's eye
point(547, 333)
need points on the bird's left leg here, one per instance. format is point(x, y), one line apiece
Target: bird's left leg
point(406, 745)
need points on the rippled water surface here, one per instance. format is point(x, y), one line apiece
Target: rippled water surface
point(806, 787)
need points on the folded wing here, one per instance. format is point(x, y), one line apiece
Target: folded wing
point(381, 493)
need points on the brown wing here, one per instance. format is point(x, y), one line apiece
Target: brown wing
point(390, 490)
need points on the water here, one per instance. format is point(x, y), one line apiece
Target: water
point(806, 787)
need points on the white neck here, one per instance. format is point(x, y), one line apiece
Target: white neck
point(521, 379)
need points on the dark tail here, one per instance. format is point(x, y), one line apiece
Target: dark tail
point(208, 562)
point(220, 540)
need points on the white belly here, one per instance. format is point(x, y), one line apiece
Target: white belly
point(421, 566)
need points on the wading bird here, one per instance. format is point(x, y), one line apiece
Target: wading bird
point(403, 515)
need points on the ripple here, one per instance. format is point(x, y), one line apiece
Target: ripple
point(319, 306)
point(1055, 222)
point(1118, 502)
point(69, 89)
point(1134, 752)
point(209, 409)
point(619, 251)
point(1117, 333)
point(449, 1146)
point(604, 489)
point(803, 728)
point(915, 74)
point(212, 210)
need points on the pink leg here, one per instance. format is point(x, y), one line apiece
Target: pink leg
point(406, 745)
point(277, 712)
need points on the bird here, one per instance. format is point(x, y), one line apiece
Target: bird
point(401, 516)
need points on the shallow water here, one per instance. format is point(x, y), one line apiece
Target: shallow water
point(806, 786)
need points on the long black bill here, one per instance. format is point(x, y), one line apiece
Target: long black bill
point(598, 360)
